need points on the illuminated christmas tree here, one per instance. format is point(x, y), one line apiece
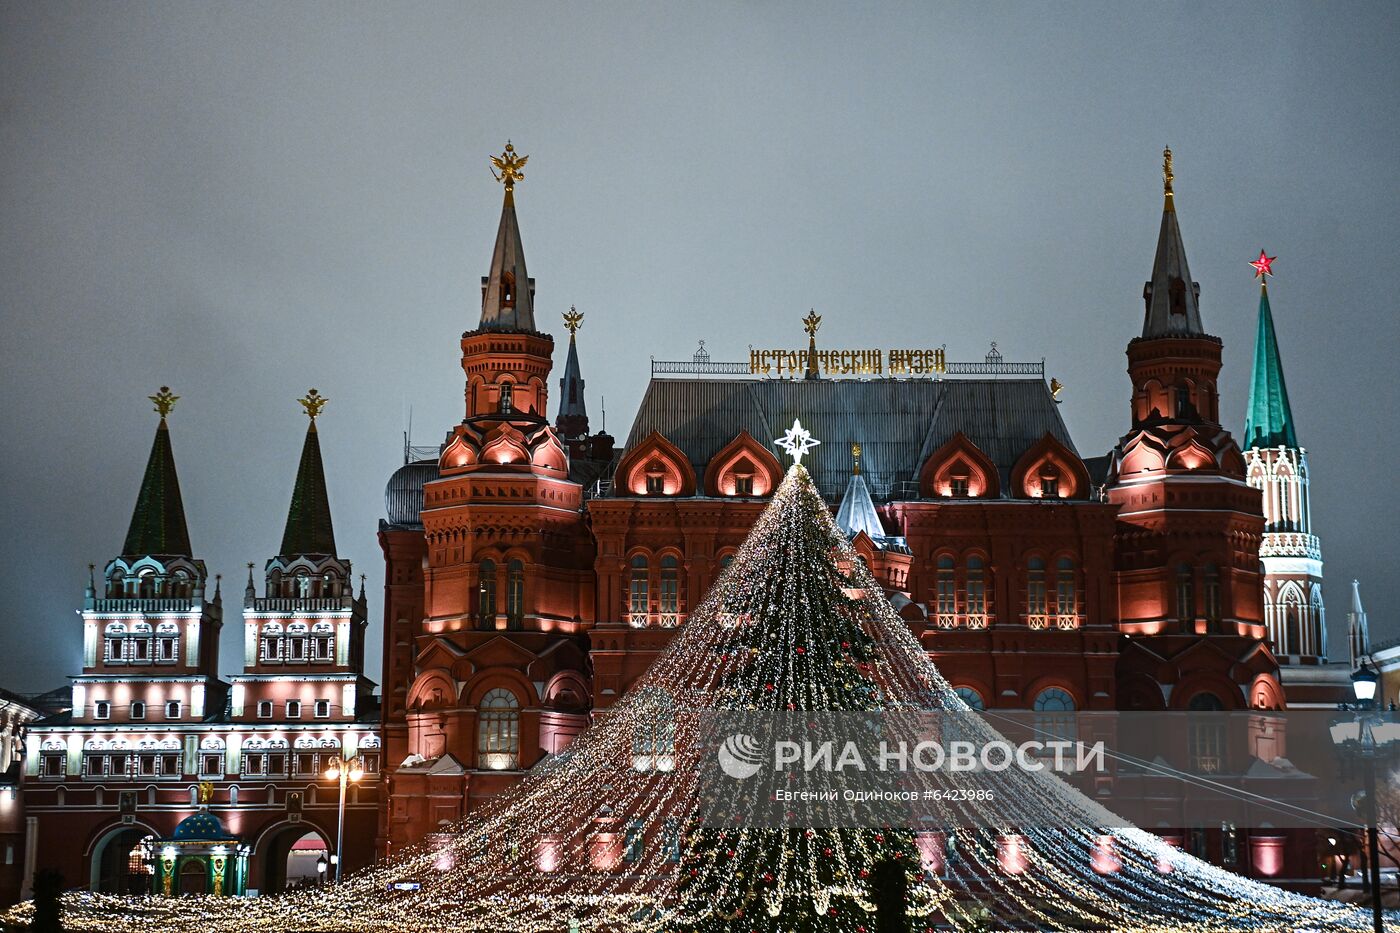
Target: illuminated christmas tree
point(604, 837)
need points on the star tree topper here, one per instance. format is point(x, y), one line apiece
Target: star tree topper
point(798, 441)
point(1263, 266)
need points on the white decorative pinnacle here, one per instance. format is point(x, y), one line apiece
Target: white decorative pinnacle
point(798, 441)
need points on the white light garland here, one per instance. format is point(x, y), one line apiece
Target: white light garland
point(602, 838)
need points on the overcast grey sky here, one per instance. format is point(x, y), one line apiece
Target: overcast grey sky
point(242, 200)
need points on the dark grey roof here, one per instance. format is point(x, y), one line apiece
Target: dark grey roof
point(403, 494)
point(897, 422)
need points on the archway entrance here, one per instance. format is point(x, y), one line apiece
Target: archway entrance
point(119, 862)
point(289, 858)
point(194, 877)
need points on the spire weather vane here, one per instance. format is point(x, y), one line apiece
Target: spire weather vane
point(164, 401)
point(573, 320)
point(510, 166)
point(313, 401)
point(798, 442)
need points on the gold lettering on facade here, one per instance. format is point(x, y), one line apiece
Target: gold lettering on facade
point(902, 362)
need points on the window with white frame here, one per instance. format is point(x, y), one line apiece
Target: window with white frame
point(498, 731)
point(53, 760)
point(270, 644)
point(138, 709)
point(322, 643)
point(114, 643)
point(323, 709)
point(102, 710)
point(296, 648)
point(172, 709)
point(264, 709)
point(293, 709)
point(167, 643)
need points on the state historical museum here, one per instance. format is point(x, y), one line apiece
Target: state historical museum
point(534, 569)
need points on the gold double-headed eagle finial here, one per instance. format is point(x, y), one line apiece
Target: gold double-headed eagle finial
point(1167, 175)
point(855, 452)
point(811, 322)
point(165, 400)
point(573, 320)
point(313, 401)
point(510, 166)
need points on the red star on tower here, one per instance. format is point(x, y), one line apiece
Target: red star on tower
point(1263, 265)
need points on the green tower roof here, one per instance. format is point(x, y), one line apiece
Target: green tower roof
point(1270, 420)
point(309, 529)
point(158, 524)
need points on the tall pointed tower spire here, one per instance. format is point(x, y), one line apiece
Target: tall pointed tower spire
point(508, 292)
point(309, 529)
point(572, 421)
point(1269, 422)
point(857, 510)
point(158, 523)
point(1171, 296)
point(1358, 634)
point(1277, 466)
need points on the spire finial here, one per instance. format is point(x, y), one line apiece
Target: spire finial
point(313, 401)
point(573, 320)
point(811, 322)
point(855, 454)
point(164, 400)
point(510, 165)
point(1167, 177)
point(1263, 268)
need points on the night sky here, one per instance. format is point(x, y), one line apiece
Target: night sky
point(245, 200)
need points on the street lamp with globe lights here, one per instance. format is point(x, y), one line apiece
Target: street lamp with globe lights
point(347, 770)
point(1367, 737)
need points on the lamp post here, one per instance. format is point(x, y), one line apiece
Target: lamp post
point(347, 770)
point(1366, 750)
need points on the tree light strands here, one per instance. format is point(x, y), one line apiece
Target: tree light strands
point(602, 837)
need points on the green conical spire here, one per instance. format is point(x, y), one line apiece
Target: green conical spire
point(1270, 420)
point(158, 524)
point(309, 528)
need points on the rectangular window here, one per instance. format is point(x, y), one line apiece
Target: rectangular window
point(172, 709)
point(296, 649)
point(211, 764)
point(656, 485)
point(170, 764)
point(277, 763)
point(1050, 487)
point(138, 710)
point(113, 650)
point(304, 763)
point(743, 485)
point(293, 709)
point(53, 764)
point(957, 488)
point(369, 761)
point(139, 650)
point(272, 649)
point(254, 763)
point(323, 709)
point(147, 764)
point(321, 648)
point(166, 650)
point(102, 710)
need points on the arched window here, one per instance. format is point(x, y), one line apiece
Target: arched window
point(670, 590)
point(947, 593)
point(976, 593)
point(1037, 611)
point(1066, 594)
point(303, 585)
point(640, 591)
point(515, 593)
point(1207, 736)
point(654, 736)
point(486, 594)
point(1292, 611)
point(1185, 593)
point(725, 561)
point(498, 731)
point(971, 697)
point(507, 398)
point(1054, 719)
point(1212, 595)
